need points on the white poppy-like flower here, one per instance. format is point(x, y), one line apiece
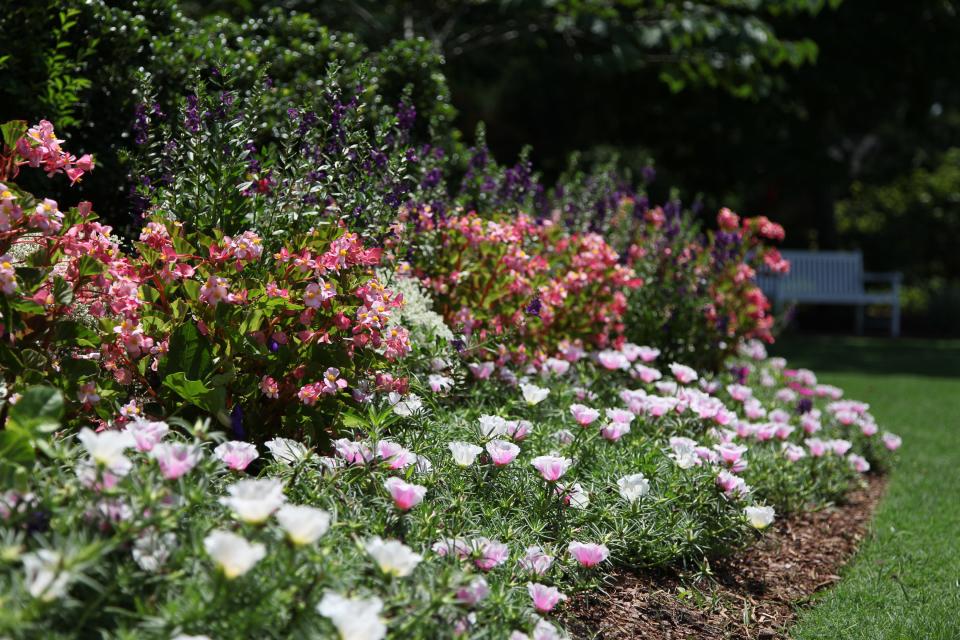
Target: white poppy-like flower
point(464, 453)
point(44, 574)
point(633, 487)
point(303, 524)
point(107, 448)
point(392, 556)
point(354, 618)
point(286, 450)
point(759, 517)
point(408, 406)
point(254, 500)
point(151, 550)
point(234, 554)
point(534, 394)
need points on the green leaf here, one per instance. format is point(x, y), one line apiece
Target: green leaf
point(190, 352)
point(196, 392)
point(39, 410)
point(13, 131)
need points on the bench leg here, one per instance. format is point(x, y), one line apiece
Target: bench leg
point(859, 320)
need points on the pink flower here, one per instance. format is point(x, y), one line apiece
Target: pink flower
point(481, 370)
point(317, 293)
point(613, 431)
point(859, 463)
point(683, 373)
point(395, 455)
point(840, 447)
point(309, 393)
point(793, 452)
point(214, 291)
point(612, 360)
point(648, 354)
point(353, 452)
point(175, 459)
point(551, 468)
point(405, 496)
point(892, 441)
point(535, 560)
point(588, 554)
point(451, 546)
point(544, 598)
point(817, 447)
point(620, 416)
point(473, 593)
point(235, 454)
point(492, 553)
point(502, 452)
point(146, 433)
point(87, 393)
point(332, 382)
point(731, 484)
point(583, 414)
point(269, 387)
point(647, 374)
point(730, 452)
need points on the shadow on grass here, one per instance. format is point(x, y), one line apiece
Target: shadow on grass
point(872, 356)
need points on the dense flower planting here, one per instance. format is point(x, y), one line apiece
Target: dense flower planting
point(203, 438)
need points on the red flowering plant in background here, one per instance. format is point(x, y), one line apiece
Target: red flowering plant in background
point(190, 322)
point(701, 300)
point(519, 276)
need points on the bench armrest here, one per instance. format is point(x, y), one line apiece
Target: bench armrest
point(893, 277)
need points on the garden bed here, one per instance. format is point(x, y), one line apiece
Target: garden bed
point(753, 594)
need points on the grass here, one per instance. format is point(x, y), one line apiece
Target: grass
point(905, 581)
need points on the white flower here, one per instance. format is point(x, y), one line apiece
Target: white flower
point(354, 618)
point(408, 406)
point(107, 448)
point(303, 524)
point(579, 498)
point(254, 501)
point(151, 550)
point(392, 556)
point(232, 553)
point(534, 394)
point(464, 453)
point(44, 574)
point(633, 487)
point(759, 517)
point(286, 450)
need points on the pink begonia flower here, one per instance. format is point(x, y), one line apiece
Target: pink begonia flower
point(892, 441)
point(612, 360)
point(816, 446)
point(647, 374)
point(215, 291)
point(840, 447)
point(332, 382)
point(481, 370)
point(405, 495)
point(551, 468)
point(236, 455)
point(353, 452)
point(544, 598)
point(309, 393)
point(317, 293)
point(683, 373)
point(621, 416)
point(87, 394)
point(395, 455)
point(175, 459)
point(588, 554)
point(583, 414)
point(859, 463)
point(492, 553)
point(648, 354)
point(502, 452)
point(146, 433)
point(473, 593)
point(613, 431)
point(536, 561)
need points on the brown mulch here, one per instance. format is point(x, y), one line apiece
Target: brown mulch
point(753, 594)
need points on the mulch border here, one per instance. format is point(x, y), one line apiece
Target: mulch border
point(754, 594)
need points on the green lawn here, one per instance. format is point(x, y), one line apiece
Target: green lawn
point(905, 581)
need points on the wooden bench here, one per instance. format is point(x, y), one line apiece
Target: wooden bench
point(832, 277)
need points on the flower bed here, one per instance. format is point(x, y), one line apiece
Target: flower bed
point(205, 438)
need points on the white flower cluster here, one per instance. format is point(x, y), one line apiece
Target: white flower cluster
point(417, 315)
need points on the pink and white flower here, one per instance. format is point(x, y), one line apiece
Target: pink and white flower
point(588, 554)
point(235, 454)
point(551, 468)
point(405, 495)
point(502, 452)
point(544, 598)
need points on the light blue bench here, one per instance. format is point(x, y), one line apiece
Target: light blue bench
point(832, 277)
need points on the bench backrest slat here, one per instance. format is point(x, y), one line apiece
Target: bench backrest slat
point(817, 274)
